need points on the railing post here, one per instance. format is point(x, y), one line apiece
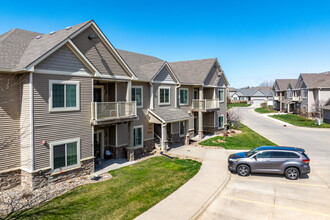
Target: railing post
point(96, 110)
point(135, 108)
point(117, 109)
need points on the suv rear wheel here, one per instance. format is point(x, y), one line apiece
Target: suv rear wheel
point(243, 170)
point(292, 173)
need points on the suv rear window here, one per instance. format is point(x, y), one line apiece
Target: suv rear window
point(281, 154)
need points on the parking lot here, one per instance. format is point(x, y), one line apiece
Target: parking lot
point(262, 196)
point(267, 196)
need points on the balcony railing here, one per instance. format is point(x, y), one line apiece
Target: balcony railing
point(205, 104)
point(276, 98)
point(296, 98)
point(113, 110)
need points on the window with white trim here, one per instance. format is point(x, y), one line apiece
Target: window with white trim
point(64, 95)
point(183, 96)
point(138, 136)
point(137, 95)
point(65, 153)
point(220, 121)
point(221, 95)
point(181, 128)
point(304, 93)
point(164, 95)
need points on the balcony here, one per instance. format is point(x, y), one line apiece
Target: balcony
point(296, 98)
point(205, 105)
point(104, 113)
point(276, 98)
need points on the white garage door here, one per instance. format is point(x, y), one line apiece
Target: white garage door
point(258, 100)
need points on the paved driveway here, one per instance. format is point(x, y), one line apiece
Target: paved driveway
point(273, 196)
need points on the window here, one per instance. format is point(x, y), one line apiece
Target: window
point(265, 154)
point(221, 95)
point(65, 153)
point(138, 136)
point(137, 95)
point(63, 95)
point(181, 128)
point(304, 93)
point(164, 96)
point(183, 96)
point(220, 121)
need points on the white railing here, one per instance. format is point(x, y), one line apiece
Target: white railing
point(113, 110)
point(205, 104)
point(276, 98)
point(296, 98)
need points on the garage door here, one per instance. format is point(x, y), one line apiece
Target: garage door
point(258, 101)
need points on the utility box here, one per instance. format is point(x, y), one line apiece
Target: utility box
point(318, 121)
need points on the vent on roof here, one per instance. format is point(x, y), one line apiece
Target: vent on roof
point(39, 36)
point(53, 32)
point(68, 28)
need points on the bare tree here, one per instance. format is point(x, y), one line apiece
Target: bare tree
point(267, 83)
point(317, 108)
point(234, 117)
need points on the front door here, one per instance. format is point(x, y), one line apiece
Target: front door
point(195, 126)
point(98, 144)
point(98, 95)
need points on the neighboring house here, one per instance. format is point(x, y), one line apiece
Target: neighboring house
point(69, 96)
point(256, 95)
point(230, 92)
point(312, 91)
point(326, 112)
point(283, 92)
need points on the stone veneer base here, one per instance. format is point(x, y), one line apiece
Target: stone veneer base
point(10, 179)
point(46, 177)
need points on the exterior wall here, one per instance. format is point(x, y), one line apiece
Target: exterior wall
point(63, 60)
point(325, 95)
point(98, 54)
point(25, 133)
point(172, 95)
point(10, 121)
point(326, 116)
point(121, 92)
point(56, 126)
point(122, 139)
point(164, 76)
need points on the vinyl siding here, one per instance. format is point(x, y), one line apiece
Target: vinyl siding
point(172, 95)
point(164, 76)
point(121, 92)
point(25, 139)
point(9, 121)
point(142, 112)
point(58, 126)
point(98, 54)
point(122, 131)
point(325, 95)
point(63, 60)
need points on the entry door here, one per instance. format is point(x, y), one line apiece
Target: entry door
point(98, 94)
point(98, 144)
point(195, 126)
point(195, 93)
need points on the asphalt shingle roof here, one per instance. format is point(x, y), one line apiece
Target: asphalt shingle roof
point(284, 83)
point(170, 114)
point(316, 80)
point(192, 71)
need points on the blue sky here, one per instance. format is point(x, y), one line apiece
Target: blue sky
point(255, 41)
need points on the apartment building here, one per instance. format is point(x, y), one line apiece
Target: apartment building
point(306, 95)
point(69, 97)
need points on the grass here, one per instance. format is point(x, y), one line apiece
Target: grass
point(131, 191)
point(263, 110)
point(299, 121)
point(232, 105)
point(246, 140)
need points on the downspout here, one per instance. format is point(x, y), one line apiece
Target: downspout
point(176, 94)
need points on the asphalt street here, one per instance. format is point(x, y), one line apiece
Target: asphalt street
point(265, 196)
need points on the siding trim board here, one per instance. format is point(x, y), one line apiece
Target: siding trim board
point(31, 122)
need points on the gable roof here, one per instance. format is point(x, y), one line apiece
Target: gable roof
point(316, 80)
point(284, 83)
point(252, 92)
point(144, 66)
point(192, 71)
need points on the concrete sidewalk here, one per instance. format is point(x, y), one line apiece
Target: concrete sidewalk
point(191, 198)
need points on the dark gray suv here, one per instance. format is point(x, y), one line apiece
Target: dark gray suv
point(290, 161)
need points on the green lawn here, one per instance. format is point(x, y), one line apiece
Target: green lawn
point(232, 105)
point(246, 140)
point(131, 191)
point(264, 110)
point(299, 121)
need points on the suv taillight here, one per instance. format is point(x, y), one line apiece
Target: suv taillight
point(306, 160)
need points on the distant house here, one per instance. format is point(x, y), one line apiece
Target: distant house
point(231, 91)
point(283, 90)
point(256, 95)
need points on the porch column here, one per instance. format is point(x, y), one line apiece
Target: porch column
point(151, 97)
point(129, 91)
point(130, 136)
point(280, 101)
point(200, 116)
point(164, 138)
point(187, 136)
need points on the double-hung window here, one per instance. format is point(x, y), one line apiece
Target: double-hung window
point(221, 95)
point(220, 121)
point(64, 95)
point(183, 96)
point(304, 93)
point(164, 95)
point(65, 153)
point(137, 95)
point(138, 135)
point(181, 128)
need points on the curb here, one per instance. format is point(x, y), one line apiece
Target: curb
point(212, 198)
